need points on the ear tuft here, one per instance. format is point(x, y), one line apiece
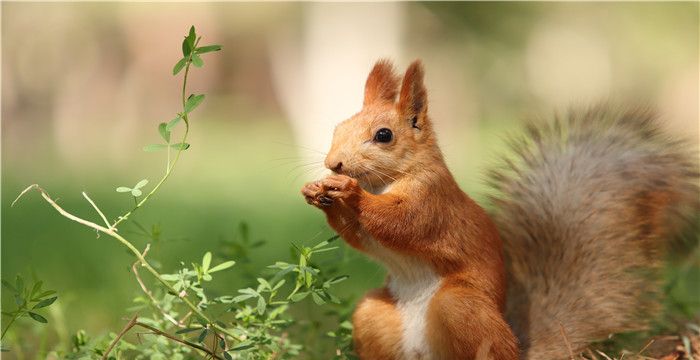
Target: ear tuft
point(413, 100)
point(382, 83)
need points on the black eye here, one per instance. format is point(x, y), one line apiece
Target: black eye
point(383, 135)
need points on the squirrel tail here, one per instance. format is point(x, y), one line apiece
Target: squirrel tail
point(587, 208)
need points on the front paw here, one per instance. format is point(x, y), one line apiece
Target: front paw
point(343, 187)
point(326, 192)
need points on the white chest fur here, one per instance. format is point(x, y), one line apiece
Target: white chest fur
point(413, 284)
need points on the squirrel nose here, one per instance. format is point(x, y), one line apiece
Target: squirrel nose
point(335, 166)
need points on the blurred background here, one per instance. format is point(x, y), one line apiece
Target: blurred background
point(84, 86)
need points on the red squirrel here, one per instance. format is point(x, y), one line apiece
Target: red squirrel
point(588, 200)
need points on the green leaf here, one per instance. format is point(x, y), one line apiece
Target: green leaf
point(206, 277)
point(19, 284)
point(164, 132)
point(186, 47)
point(36, 288)
point(45, 303)
point(123, 189)
point(136, 192)
point(261, 305)
point(245, 297)
point(299, 296)
point(278, 285)
point(248, 291)
point(202, 336)
point(192, 35)
point(264, 283)
point(186, 330)
point(206, 261)
point(180, 146)
point(154, 147)
point(337, 279)
point(197, 61)
point(243, 346)
point(179, 65)
point(222, 266)
point(172, 123)
point(170, 277)
point(193, 101)
point(38, 317)
point(206, 49)
point(141, 184)
point(9, 286)
point(317, 298)
point(227, 356)
point(43, 295)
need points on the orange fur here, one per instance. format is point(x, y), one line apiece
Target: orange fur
point(377, 326)
point(401, 195)
point(591, 204)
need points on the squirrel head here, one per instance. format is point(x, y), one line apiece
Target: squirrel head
point(387, 139)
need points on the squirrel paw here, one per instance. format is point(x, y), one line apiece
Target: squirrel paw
point(312, 192)
point(323, 193)
point(340, 187)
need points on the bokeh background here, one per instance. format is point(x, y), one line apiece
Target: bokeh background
point(84, 86)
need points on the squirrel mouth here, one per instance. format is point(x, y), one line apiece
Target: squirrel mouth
point(357, 175)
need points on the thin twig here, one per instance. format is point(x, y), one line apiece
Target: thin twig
point(566, 340)
point(130, 246)
point(102, 215)
point(645, 347)
point(121, 334)
point(149, 293)
point(185, 342)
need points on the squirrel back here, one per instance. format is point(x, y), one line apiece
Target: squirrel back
point(586, 210)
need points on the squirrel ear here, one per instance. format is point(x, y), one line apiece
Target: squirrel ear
point(413, 100)
point(381, 83)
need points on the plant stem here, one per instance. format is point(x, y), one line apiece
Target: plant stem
point(114, 343)
point(170, 167)
point(8, 326)
point(113, 233)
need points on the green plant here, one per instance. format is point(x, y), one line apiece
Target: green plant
point(182, 317)
point(28, 301)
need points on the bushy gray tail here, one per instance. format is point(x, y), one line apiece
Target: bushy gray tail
point(587, 206)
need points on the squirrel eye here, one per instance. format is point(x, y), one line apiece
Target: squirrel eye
point(383, 135)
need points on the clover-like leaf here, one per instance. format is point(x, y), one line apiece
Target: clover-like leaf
point(223, 266)
point(179, 65)
point(197, 61)
point(180, 146)
point(206, 261)
point(136, 192)
point(193, 101)
point(262, 305)
point(172, 123)
point(38, 317)
point(154, 147)
point(206, 49)
point(45, 302)
point(141, 184)
point(164, 132)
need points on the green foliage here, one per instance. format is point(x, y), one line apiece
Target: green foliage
point(136, 190)
point(184, 318)
point(29, 300)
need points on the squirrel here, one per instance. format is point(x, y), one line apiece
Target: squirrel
point(581, 218)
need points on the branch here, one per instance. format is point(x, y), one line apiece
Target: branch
point(134, 322)
point(111, 232)
point(185, 342)
point(121, 334)
point(104, 218)
point(150, 294)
